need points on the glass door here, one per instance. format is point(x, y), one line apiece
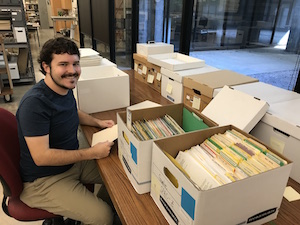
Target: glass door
point(223, 24)
point(160, 21)
point(218, 24)
point(123, 33)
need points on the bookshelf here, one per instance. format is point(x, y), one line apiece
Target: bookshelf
point(32, 11)
point(15, 40)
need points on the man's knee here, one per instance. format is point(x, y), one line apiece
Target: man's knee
point(103, 216)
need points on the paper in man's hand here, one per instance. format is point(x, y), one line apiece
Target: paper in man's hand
point(107, 134)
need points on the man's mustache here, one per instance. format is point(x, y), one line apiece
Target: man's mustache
point(70, 75)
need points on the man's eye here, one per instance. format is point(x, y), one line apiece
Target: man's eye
point(76, 64)
point(63, 64)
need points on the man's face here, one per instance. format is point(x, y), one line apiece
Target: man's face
point(65, 70)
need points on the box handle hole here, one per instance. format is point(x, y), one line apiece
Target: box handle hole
point(281, 132)
point(197, 92)
point(171, 177)
point(125, 137)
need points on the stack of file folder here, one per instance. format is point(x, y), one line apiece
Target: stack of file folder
point(166, 126)
point(225, 158)
point(157, 128)
point(89, 57)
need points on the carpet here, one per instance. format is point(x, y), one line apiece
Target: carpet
point(284, 79)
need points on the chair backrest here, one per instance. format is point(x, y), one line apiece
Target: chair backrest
point(9, 155)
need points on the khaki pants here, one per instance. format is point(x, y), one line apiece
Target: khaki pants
point(64, 194)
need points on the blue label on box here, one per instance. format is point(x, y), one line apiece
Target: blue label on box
point(133, 152)
point(188, 203)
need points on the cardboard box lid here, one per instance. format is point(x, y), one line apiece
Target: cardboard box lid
point(175, 61)
point(153, 45)
point(264, 91)
point(235, 108)
point(178, 75)
point(285, 117)
point(208, 82)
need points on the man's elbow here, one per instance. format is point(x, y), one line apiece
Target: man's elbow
point(39, 161)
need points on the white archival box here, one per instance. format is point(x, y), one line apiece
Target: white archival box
point(280, 128)
point(13, 68)
point(14, 71)
point(104, 63)
point(135, 155)
point(198, 89)
point(172, 81)
point(146, 49)
point(102, 88)
point(175, 61)
point(20, 34)
point(267, 92)
point(254, 200)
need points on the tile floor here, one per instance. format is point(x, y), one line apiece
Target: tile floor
point(270, 65)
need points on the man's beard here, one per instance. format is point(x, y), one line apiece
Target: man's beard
point(66, 75)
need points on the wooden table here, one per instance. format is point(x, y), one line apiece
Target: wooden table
point(133, 208)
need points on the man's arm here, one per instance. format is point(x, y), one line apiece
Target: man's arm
point(86, 119)
point(44, 156)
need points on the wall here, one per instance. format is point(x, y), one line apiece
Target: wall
point(43, 14)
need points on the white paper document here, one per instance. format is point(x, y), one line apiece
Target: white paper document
point(107, 134)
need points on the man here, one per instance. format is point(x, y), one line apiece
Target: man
point(53, 169)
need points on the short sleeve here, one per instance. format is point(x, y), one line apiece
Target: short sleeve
point(34, 117)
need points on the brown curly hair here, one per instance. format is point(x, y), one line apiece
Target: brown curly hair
point(58, 45)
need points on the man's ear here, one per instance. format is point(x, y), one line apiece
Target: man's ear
point(46, 67)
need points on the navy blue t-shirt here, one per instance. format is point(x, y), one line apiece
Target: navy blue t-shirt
point(41, 112)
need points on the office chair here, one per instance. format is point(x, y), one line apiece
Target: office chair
point(11, 179)
point(10, 175)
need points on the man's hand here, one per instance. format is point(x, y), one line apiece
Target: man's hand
point(86, 119)
point(106, 123)
point(101, 150)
